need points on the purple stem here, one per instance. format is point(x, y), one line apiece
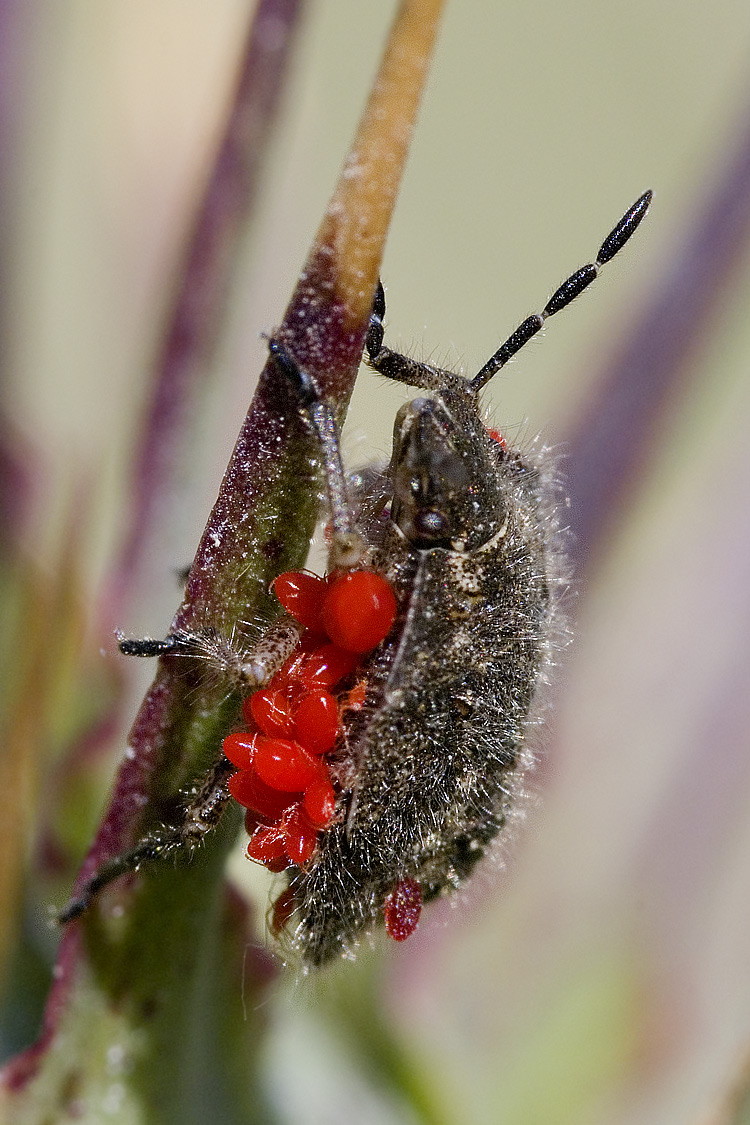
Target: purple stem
point(16, 464)
point(206, 272)
point(198, 305)
point(622, 423)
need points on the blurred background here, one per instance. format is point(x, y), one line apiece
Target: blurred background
point(602, 975)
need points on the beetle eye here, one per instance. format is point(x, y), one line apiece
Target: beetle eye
point(432, 525)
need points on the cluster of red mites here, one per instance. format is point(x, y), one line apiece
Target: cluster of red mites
point(282, 778)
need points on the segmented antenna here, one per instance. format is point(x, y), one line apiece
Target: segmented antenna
point(571, 288)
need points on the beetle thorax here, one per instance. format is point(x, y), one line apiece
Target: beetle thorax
point(446, 491)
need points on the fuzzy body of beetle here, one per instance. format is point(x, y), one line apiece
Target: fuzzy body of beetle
point(430, 768)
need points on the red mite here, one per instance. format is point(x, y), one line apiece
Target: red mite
point(387, 713)
point(283, 776)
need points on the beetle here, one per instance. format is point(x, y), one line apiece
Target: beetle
point(407, 759)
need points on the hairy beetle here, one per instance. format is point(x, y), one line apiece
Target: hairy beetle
point(388, 711)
